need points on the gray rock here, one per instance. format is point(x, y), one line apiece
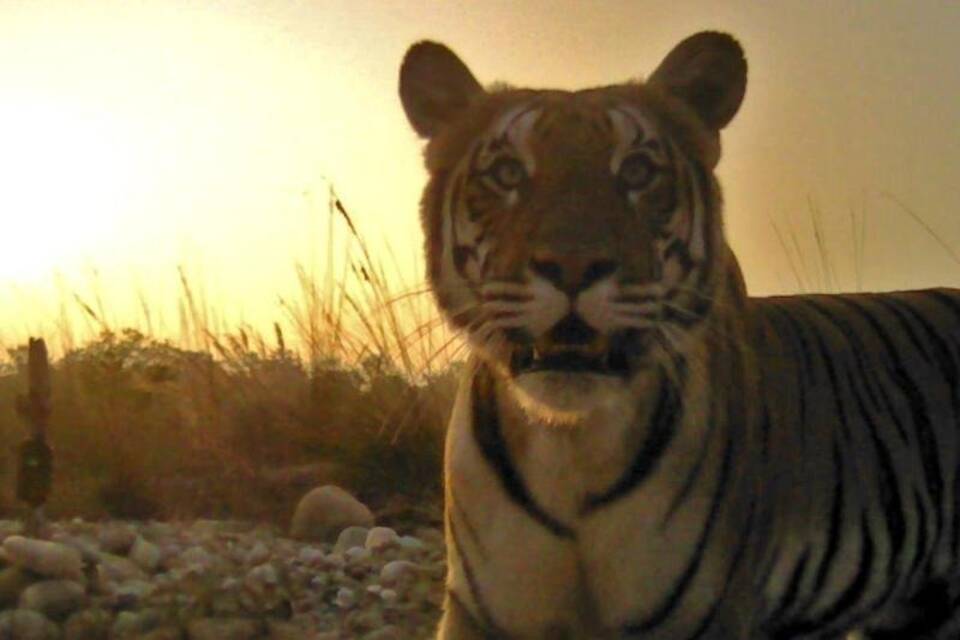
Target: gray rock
point(49, 559)
point(265, 574)
point(13, 580)
point(196, 557)
point(134, 624)
point(397, 571)
point(387, 632)
point(146, 554)
point(280, 630)
point(117, 538)
point(311, 556)
point(131, 593)
point(53, 598)
point(346, 598)
point(224, 629)
point(326, 510)
point(25, 624)
point(161, 633)
point(380, 538)
point(411, 543)
point(357, 555)
point(257, 554)
point(351, 537)
point(88, 547)
point(112, 570)
point(89, 624)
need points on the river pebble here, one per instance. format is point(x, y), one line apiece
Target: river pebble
point(222, 580)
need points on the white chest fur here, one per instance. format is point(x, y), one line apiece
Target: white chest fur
point(605, 568)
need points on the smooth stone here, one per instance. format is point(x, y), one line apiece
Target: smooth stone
point(114, 569)
point(89, 624)
point(380, 538)
point(258, 554)
point(161, 633)
point(311, 556)
point(146, 554)
point(351, 537)
point(49, 559)
point(345, 598)
point(282, 630)
point(134, 624)
point(26, 624)
point(357, 555)
point(325, 511)
point(224, 629)
point(396, 570)
point(129, 594)
point(13, 580)
point(388, 632)
point(117, 538)
point(264, 574)
point(53, 598)
point(411, 543)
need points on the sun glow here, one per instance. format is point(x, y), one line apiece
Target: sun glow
point(66, 173)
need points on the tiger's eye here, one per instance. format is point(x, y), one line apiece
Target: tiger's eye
point(508, 173)
point(637, 172)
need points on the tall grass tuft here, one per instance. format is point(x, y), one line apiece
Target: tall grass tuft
point(352, 385)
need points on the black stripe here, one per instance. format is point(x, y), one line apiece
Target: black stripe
point(746, 538)
point(804, 369)
point(951, 300)
point(487, 618)
point(460, 514)
point(789, 597)
point(929, 446)
point(682, 583)
point(940, 354)
point(678, 249)
point(867, 370)
point(681, 497)
point(486, 432)
point(922, 535)
point(833, 534)
point(850, 596)
point(662, 428)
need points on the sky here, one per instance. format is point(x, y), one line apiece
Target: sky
point(141, 136)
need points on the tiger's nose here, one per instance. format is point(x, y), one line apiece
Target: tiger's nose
point(572, 272)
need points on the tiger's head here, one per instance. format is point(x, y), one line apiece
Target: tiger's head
point(576, 236)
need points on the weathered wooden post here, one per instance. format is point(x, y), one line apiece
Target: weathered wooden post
point(35, 469)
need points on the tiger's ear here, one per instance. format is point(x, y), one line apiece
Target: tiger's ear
point(434, 86)
point(708, 72)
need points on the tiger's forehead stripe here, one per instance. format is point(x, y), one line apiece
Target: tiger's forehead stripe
point(514, 128)
point(630, 127)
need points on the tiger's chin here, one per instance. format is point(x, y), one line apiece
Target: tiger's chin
point(564, 398)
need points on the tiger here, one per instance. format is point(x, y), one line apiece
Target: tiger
point(638, 448)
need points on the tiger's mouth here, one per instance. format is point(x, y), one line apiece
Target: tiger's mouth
point(532, 359)
point(574, 350)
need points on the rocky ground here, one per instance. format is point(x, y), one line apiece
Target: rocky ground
point(211, 580)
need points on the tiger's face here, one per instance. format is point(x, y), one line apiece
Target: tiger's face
point(575, 236)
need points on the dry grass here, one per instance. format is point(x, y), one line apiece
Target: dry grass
point(834, 262)
point(353, 386)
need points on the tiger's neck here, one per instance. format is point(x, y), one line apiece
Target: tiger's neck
point(568, 469)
